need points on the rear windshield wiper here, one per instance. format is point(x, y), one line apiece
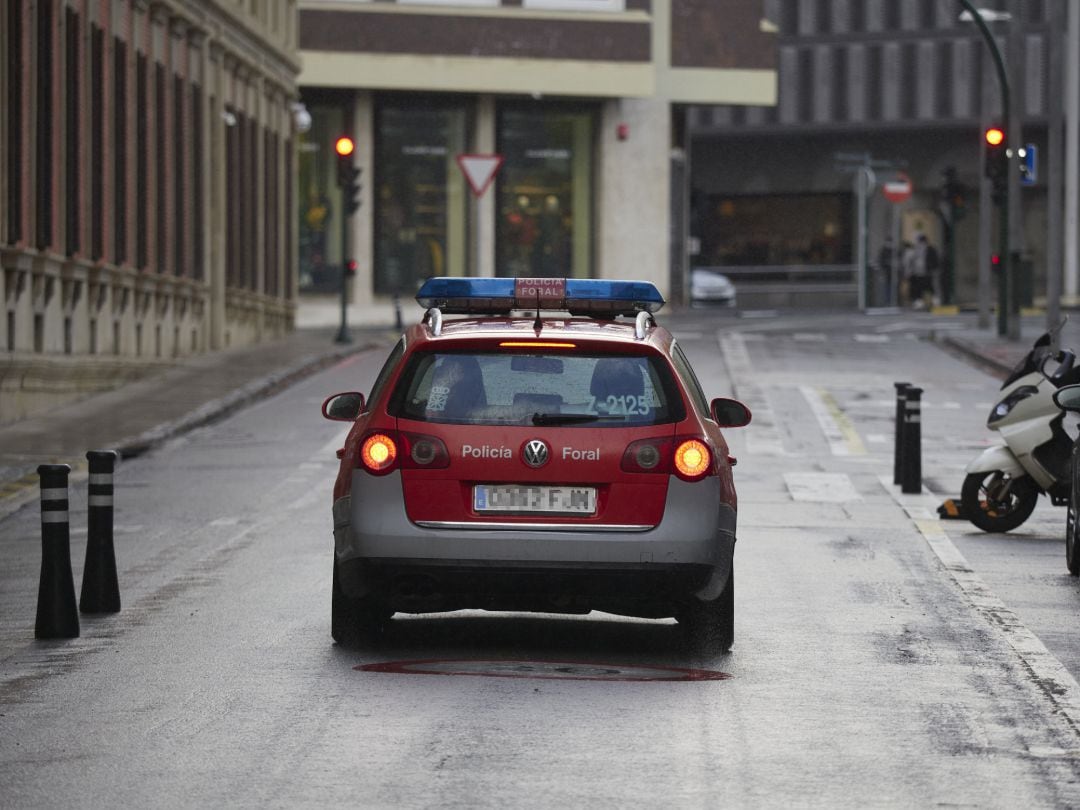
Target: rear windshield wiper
point(572, 418)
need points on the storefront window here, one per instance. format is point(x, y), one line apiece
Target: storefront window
point(773, 230)
point(421, 198)
point(544, 193)
point(319, 202)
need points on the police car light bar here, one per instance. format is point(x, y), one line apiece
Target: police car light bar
point(578, 296)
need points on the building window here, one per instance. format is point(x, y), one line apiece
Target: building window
point(14, 124)
point(319, 203)
point(421, 198)
point(161, 169)
point(198, 234)
point(179, 177)
point(97, 141)
point(73, 133)
point(776, 230)
point(232, 202)
point(142, 155)
point(120, 150)
point(44, 161)
point(544, 192)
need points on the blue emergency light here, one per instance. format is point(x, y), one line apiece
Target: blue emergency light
point(470, 295)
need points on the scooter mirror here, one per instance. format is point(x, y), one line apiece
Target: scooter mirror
point(1068, 398)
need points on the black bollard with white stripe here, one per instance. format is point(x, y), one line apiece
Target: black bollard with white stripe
point(100, 590)
point(57, 616)
point(898, 431)
point(911, 472)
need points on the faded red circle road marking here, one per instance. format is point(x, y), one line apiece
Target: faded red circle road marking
point(545, 670)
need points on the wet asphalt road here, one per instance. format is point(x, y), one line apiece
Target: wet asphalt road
point(882, 658)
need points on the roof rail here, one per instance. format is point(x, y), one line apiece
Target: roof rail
point(434, 315)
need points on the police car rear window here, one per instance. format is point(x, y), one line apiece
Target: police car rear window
point(505, 388)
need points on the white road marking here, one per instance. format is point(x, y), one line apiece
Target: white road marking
point(821, 487)
point(809, 337)
point(762, 437)
point(864, 338)
point(332, 446)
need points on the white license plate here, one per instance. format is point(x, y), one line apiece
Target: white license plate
point(515, 499)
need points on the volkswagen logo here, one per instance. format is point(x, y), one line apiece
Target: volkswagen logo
point(536, 453)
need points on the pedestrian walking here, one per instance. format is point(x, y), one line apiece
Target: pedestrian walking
point(925, 274)
point(907, 274)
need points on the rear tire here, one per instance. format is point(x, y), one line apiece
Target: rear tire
point(1072, 551)
point(997, 502)
point(1072, 518)
point(710, 626)
point(356, 621)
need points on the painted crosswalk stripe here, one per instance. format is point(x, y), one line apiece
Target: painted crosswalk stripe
point(821, 487)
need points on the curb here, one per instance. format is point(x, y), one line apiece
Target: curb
point(996, 367)
point(17, 492)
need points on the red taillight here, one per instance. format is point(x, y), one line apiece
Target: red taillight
point(424, 452)
point(648, 456)
point(386, 450)
point(689, 457)
point(378, 453)
point(692, 459)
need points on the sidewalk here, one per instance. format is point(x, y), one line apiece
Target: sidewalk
point(138, 416)
point(1000, 354)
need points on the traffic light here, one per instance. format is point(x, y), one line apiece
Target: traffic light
point(348, 175)
point(350, 268)
point(953, 202)
point(996, 165)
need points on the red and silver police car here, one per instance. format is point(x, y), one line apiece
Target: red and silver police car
point(551, 451)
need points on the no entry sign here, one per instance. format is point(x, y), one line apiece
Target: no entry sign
point(898, 189)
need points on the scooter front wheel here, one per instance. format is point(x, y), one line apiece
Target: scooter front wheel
point(996, 501)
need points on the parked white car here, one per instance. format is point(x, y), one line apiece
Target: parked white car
point(709, 286)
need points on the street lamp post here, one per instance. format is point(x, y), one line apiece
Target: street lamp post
point(1006, 281)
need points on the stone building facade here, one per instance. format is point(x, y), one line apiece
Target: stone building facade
point(146, 191)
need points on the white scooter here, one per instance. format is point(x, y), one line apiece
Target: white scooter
point(1003, 484)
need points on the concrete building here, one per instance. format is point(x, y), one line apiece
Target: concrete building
point(905, 82)
point(146, 187)
point(584, 100)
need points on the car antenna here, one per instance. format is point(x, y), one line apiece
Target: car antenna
point(538, 324)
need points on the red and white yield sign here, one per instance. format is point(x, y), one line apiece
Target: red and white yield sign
point(479, 170)
point(898, 189)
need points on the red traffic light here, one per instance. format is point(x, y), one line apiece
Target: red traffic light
point(351, 267)
point(995, 136)
point(344, 146)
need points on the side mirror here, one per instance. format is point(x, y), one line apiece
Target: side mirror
point(343, 407)
point(1068, 398)
point(729, 412)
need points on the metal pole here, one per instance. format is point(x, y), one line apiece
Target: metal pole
point(986, 206)
point(1054, 174)
point(897, 266)
point(1072, 154)
point(1013, 200)
point(1005, 280)
point(343, 335)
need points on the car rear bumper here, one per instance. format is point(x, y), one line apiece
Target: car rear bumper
point(688, 552)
